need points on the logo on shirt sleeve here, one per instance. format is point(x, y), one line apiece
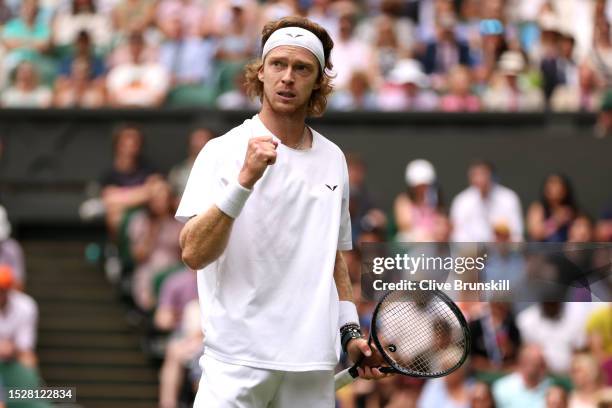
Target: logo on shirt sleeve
point(332, 188)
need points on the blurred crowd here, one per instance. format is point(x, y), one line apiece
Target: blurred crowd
point(392, 55)
point(553, 354)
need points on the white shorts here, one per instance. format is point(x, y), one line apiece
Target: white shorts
point(226, 385)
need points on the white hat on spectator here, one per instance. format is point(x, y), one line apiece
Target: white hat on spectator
point(5, 225)
point(420, 171)
point(408, 71)
point(511, 63)
point(549, 22)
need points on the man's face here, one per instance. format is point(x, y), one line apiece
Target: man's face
point(480, 177)
point(289, 75)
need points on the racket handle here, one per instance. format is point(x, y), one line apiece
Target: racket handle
point(345, 377)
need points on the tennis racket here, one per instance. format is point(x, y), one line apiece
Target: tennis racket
point(418, 333)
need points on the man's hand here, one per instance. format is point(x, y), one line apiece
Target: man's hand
point(261, 153)
point(370, 359)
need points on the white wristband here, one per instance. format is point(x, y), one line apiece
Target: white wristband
point(232, 199)
point(347, 313)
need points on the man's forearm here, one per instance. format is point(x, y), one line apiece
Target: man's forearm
point(204, 237)
point(342, 279)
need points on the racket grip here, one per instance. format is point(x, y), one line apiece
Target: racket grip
point(345, 377)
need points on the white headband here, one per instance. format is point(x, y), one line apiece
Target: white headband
point(298, 37)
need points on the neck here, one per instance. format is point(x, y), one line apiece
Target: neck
point(289, 128)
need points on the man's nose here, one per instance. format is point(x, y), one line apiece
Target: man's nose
point(288, 76)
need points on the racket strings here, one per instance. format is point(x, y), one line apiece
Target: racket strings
point(432, 342)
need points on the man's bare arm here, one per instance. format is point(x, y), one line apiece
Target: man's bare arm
point(204, 238)
point(342, 279)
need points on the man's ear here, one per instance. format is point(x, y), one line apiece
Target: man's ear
point(260, 75)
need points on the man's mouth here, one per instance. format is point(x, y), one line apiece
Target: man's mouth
point(286, 94)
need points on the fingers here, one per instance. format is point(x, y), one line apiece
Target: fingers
point(371, 373)
point(364, 347)
point(263, 149)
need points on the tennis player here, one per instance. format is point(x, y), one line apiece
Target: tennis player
point(266, 212)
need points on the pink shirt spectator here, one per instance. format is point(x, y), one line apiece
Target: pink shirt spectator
point(457, 103)
point(178, 290)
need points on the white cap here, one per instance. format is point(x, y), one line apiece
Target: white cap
point(512, 63)
point(408, 71)
point(420, 171)
point(5, 225)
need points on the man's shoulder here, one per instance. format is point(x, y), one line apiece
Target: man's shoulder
point(24, 302)
point(505, 192)
point(327, 145)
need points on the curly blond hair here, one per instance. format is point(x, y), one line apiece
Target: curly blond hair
point(318, 98)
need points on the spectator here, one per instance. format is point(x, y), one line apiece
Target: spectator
point(584, 96)
point(549, 218)
point(603, 228)
point(180, 173)
point(484, 206)
point(603, 128)
point(559, 67)
point(494, 44)
point(11, 253)
point(185, 52)
point(363, 211)
point(80, 89)
point(452, 391)
point(180, 351)
point(393, 18)
point(416, 209)
point(600, 56)
point(25, 37)
point(5, 15)
point(154, 238)
point(275, 10)
point(460, 97)
point(189, 15)
point(138, 82)
point(495, 338)
point(133, 15)
point(358, 95)
point(386, 51)
point(599, 335)
point(406, 89)
point(177, 290)
point(134, 50)
point(26, 92)
point(509, 92)
point(349, 49)
point(558, 328)
point(556, 397)
point(238, 98)
point(83, 50)
point(481, 396)
point(127, 183)
point(586, 379)
point(445, 52)
point(237, 43)
point(527, 385)
point(82, 16)
point(18, 322)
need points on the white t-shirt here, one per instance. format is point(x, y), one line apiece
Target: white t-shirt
point(18, 321)
point(270, 300)
point(474, 217)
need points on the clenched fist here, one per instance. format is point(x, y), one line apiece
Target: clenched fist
point(261, 152)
